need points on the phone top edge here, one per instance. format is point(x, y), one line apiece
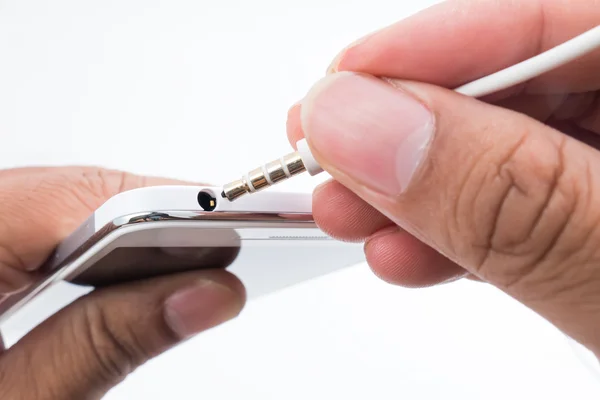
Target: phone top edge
point(85, 237)
point(159, 198)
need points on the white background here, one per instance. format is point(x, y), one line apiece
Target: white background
point(199, 90)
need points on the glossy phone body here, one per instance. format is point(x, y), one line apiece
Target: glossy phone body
point(268, 239)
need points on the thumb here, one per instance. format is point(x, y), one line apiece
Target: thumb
point(502, 195)
point(90, 346)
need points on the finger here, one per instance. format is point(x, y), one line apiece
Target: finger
point(399, 258)
point(345, 216)
point(500, 194)
point(590, 138)
point(458, 41)
point(41, 206)
point(394, 255)
point(13, 280)
point(93, 344)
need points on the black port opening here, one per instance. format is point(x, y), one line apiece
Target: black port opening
point(207, 201)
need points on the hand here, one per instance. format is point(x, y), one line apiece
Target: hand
point(441, 186)
point(91, 345)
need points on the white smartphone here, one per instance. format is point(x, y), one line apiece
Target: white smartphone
point(268, 239)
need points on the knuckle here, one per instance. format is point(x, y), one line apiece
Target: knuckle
point(102, 184)
point(75, 186)
point(49, 192)
point(114, 347)
point(8, 385)
point(92, 186)
point(524, 210)
point(20, 380)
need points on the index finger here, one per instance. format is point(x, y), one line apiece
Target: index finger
point(458, 41)
point(41, 206)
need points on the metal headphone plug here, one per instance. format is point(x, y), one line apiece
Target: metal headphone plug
point(272, 173)
point(265, 176)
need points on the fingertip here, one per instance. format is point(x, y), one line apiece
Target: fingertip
point(236, 285)
point(294, 125)
point(343, 215)
point(226, 278)
point(399, 258)
point(203, 304)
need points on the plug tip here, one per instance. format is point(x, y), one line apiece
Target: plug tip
point(235, 189)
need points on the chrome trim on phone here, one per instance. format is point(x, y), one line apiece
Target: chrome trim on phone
point(76, 244)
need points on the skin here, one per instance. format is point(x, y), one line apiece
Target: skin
point(94, 343)
point(506, 189)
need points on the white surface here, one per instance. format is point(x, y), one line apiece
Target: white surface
point(199, 90)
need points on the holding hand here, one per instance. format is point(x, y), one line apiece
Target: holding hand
point(90, 346)
point(441, 186)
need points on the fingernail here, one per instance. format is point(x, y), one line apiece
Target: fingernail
point(455, 278)
point(32, 267)
point(202, 306)
point(369, 130)
point(334, 66)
